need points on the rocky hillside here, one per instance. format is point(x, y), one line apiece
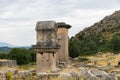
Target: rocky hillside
point(107, 27)
point(102, 36)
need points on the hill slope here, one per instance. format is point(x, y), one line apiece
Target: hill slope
point(110, 25)
point(98, 37)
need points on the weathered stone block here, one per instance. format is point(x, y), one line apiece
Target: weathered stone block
point(9, 63)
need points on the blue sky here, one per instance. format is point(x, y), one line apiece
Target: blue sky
point(18, 17)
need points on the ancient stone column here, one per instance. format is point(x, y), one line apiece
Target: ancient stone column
point(62, 36)
point(46, 46)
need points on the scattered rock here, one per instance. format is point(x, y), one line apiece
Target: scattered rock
point(75, 75)
point(24, 73)
point(86, 74)
point(53, 74)
point(115, 72)
point(76, 59)
point(2, 74)
point(101, 74)
point(42, 76)
point(64, 76)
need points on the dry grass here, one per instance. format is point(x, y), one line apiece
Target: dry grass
point(104, 59)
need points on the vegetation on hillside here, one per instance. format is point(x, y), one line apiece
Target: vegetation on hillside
point(103, 36)
point(5, 49)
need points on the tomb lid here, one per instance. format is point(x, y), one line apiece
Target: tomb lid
point(63, 25)
point(46, 25)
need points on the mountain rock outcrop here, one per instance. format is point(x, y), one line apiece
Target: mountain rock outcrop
point(103, 36)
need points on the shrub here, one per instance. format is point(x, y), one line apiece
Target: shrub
point(83, 59)
point(9, 76)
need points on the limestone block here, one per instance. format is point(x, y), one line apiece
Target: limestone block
point(9, 63)
point(65, 76)
point(101, 74)
point(86, 74)
point(42, 76)
point(75, 75)
point(2, 74)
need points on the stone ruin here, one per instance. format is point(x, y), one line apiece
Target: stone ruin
point(9, 63)
point(52, 45)
point(62, 37)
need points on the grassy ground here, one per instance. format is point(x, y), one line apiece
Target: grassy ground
point(31, 65)
point(104, 59)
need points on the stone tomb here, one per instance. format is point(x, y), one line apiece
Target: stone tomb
point(46, 46)
point(51, 45)
point(62, 36)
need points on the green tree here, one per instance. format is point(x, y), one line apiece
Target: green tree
point(104, 46)
point(21, 55)
point(74, 49)
point(32, 54)
point(3, 55)
point(89, 48)
point(115, 44)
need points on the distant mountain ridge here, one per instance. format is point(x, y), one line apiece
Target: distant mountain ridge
point(4, 44)
point(6, 47)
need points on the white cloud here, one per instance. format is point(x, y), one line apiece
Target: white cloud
point(18, 35)
point(18, 17)
point(6, 15)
